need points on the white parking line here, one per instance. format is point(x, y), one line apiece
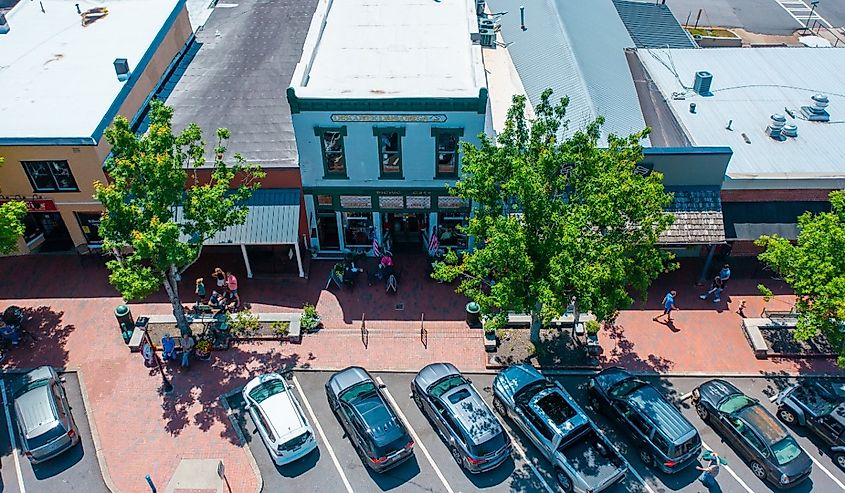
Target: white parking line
point(826, 471)
point(323, 435)
point(801, 12)
point(731, 472)
point(417, 440)
point(525, 458)
point(12, 438)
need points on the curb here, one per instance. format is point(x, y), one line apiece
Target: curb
point(224, 401)
point(95, 435)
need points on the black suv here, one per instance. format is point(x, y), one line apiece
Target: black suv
point(474, 436)
point(819, 407)
point(753, 433)
point(376, 432)
point(668, 441)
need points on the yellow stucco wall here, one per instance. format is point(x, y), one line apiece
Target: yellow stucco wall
point(86, 161)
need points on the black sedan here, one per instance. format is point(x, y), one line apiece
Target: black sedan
point(377, 434)
point(756, 435)
point(472, 432)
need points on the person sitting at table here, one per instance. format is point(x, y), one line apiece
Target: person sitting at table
point(217, 300)
point(168, 348)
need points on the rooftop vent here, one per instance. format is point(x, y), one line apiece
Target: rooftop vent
point(790, 131)
point(775, 128)
point(487, 32)
point(4, 25)
point(121, 66)
point(479, 7)
point(703, 79)
point(818, 111)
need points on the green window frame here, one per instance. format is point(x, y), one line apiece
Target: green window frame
point(447, 151)
point(389, 140)
point(333, 150)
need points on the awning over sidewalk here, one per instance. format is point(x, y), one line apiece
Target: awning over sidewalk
point(273, 219)
point(747, 221)
point(698, 218)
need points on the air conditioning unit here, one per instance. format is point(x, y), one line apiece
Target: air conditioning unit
point(488, 37)
point(485, 23)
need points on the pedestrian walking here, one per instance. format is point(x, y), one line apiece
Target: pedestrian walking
point(724, 275)
point(200, 290)
point(741, 310)
point(715, 287)
point(710, 471)
point(668, 306)
point(219, 276)
point(232, 283)
point(187, 346)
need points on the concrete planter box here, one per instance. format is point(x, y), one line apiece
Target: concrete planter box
point(733, 41)
point(491, 343)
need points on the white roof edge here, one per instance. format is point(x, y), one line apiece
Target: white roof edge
point(312, 42)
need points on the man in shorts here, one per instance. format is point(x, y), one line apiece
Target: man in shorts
point(668, 306)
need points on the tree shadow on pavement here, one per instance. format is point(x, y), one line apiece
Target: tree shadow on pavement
point(46, 346)
point(195, 399)
point(623, 353)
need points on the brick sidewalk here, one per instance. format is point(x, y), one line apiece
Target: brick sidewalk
point(143, 433)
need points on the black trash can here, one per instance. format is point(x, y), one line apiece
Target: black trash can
point(473, 314)
point(125, 322)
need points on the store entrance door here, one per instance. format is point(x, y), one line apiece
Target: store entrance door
point(404, 229)
point(56, 236)
point(327, 231)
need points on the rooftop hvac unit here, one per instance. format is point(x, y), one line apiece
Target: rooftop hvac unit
point(479, 7)
point(485, 23)
point(790, 131)
point(487, 37)
point(4, 25)
point(818, 111)
point(776, 125)
point(703, 79)
point(121, 67)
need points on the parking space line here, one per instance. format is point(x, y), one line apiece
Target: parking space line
point(323, 435)
point(12, 438)
point(531, 465)
point(802, 13)
point(826, 471)
point(731, 472)
point(414, 434)
point(630, 467)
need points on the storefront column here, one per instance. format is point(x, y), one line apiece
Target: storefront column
point(702, 279)
point(432, 224)
point(246, 262)
point(378, 229)
point(340, 236)
point(299, 259)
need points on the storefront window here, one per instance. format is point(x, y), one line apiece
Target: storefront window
point(324, 201)
point(446, 151)
point(448, 230)
point(50, 176)
point(390, 151)
point(334, 156)
point(89, 223)
point(358, 229)
point(32, 230)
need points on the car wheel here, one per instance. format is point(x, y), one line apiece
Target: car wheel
point(499, 406)
point(646, 457)
point(563, 480)
point(840, 460)
point(457, 456)
point(758, 470)
point(417, 400)
point(702, 411)
point(786, 415)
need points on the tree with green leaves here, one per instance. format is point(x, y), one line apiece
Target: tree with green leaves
point(11, 225)
point(814, 267)
point(557, 221)
point(150, 177)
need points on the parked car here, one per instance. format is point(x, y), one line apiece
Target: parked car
point(821, 409)
point(756, 436)
point(282, 425)
point(582, 458)
point(377, 434)
point(668, 441)
point(472, 432)
point(44, 416)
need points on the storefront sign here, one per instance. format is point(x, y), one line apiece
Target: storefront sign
point(391, 202)
point(356, 201)
point(418, 202)
point(379, 118)
point(445, 202)
point(32, 204)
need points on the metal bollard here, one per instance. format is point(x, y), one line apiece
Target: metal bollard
point(150, 482)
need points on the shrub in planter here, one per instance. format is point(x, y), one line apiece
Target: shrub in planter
point(592, 327)
point(203, 348)
point(310, 320)
point(243, 323)
point(280, 328)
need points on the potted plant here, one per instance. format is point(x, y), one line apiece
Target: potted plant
point(310, 321)
point(490, 340)
point(592, 328)
point(203, 349)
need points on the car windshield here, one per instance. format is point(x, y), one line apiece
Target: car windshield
point(267, 389)
point(392, 447)
point(29, 386)
point(358, 391)
point(47, 437)
point(735, 403)
point(486, 448)
point(445, 385)
point(625, 387)
point(295, 443)
point(786, 450)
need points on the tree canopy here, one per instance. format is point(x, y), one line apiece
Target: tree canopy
point(557, 219)
point(814, 266)
point(150, 177)
point(11, 227)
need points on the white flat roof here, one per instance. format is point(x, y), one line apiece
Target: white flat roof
point(749, 85)
point(57, 78)
point(378, 49)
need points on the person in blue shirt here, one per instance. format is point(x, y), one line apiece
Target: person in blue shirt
point(668, 306)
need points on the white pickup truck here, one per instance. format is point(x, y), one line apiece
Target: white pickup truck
point(583, 460)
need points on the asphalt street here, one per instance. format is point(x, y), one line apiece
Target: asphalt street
point(76, 470)
point(779, 17)
point(336, 467)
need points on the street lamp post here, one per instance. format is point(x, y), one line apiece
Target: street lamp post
point(166, 386)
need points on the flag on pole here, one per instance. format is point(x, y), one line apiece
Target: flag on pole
point(433, 245)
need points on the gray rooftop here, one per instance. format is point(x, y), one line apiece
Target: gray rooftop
point(239, 75)
point(577, 48)
point(652, 25)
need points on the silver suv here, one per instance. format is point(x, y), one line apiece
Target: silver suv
point(43, 416)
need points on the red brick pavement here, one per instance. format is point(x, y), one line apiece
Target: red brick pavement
point(142, 432)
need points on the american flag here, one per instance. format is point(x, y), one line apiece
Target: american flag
point(434, 244)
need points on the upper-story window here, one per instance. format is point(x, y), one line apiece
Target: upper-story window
point(334, 155)
point(390, 151)
point(50, 176)
point(446, 151)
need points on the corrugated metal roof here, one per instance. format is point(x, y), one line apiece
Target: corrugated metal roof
point(652, 25)
point(749, 85)
point(273, 219)
point(575, 47)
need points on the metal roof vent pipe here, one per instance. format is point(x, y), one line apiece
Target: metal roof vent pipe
point(818, 111)
point(121, 66)
point(790, 131)
point(4, 24)
point(775, 128)
point(703, 79)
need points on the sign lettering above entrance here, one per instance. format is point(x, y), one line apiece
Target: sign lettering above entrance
point(379, 118)
point(32, 205)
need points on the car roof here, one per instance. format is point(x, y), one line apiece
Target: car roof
point(36, 410)
point(556, 405)
point(381, 423)
point(347, 378)
point(767, 426)
point(661, 412)
point(281, 413)
point(470, 412)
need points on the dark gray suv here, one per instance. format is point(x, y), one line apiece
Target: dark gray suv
point(472, 432)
